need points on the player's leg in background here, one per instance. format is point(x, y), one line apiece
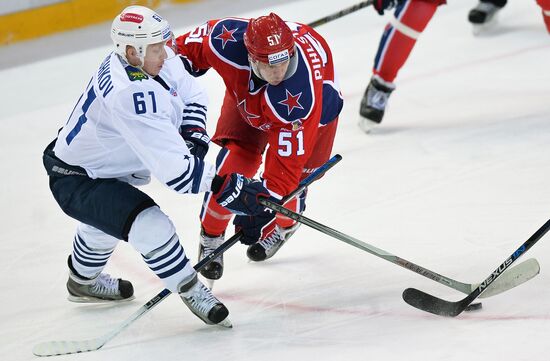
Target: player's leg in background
point(545, 6)
point(286, 227)
point(233, 158)
point(91, 251)
point(242, 148)
point(410, 19)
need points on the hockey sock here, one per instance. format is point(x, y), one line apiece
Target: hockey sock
point(88, 262)
point(545, 5)
point(91, 251)
point(232, 159)
point(170, 263)
point(410, 19)
point(546, 17)
point(298, 205)
point(154, 236)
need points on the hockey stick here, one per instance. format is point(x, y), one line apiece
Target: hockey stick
point(438, 306)
point(339, 14)
point(55, 348)
point(523, 274)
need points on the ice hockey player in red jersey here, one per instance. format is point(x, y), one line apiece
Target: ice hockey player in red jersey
point(281, 92)
point(410, 19)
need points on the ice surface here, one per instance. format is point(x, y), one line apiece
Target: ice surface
point(455, 179)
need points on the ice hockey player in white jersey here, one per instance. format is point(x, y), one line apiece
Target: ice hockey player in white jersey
point(141, 115)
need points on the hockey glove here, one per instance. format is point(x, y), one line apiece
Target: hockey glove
point(239, 194)
point(196, 139)
point(381, 5)
point(256, 227)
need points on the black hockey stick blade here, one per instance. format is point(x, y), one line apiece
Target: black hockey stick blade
point(426, 302)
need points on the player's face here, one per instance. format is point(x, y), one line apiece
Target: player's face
point(154, 58)
point(273, 74)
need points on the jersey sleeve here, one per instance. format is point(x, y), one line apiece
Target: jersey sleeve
point(195, 98)
point(143, 119)
point(193, 48)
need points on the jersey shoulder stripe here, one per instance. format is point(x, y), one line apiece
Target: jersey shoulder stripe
point(226, 40)
point(294, 98)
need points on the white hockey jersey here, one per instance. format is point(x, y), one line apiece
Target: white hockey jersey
point(125, 125)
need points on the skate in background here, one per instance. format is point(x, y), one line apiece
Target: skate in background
point(484, 16)
point(396, 44)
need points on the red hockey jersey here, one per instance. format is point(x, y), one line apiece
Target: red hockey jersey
point(290, 112)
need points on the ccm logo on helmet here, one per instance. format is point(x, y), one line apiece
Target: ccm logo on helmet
point(134, 18)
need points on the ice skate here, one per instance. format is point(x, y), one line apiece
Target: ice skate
point(374, 103)
point(207, 245)
point(266, 248)
point(203, 303)
point(483, 17)
point(102, 288)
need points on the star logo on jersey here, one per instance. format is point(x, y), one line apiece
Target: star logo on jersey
point(292, 101)
point(226, 36)
point(249, 117)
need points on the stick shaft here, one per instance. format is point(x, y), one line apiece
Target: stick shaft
point(340, 13)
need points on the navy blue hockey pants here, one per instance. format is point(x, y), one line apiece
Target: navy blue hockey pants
point(109, 205)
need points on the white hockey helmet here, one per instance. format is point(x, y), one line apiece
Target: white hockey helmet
point(138, 26)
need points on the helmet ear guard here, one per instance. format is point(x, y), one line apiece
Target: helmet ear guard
point(138, 26)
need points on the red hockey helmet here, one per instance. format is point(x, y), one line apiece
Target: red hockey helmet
point(269, 39)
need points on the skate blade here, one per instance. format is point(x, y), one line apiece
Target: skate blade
point(88, 299)
point(366, 125)
point(209, 283)
point(487, 27)
point(225, 323)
